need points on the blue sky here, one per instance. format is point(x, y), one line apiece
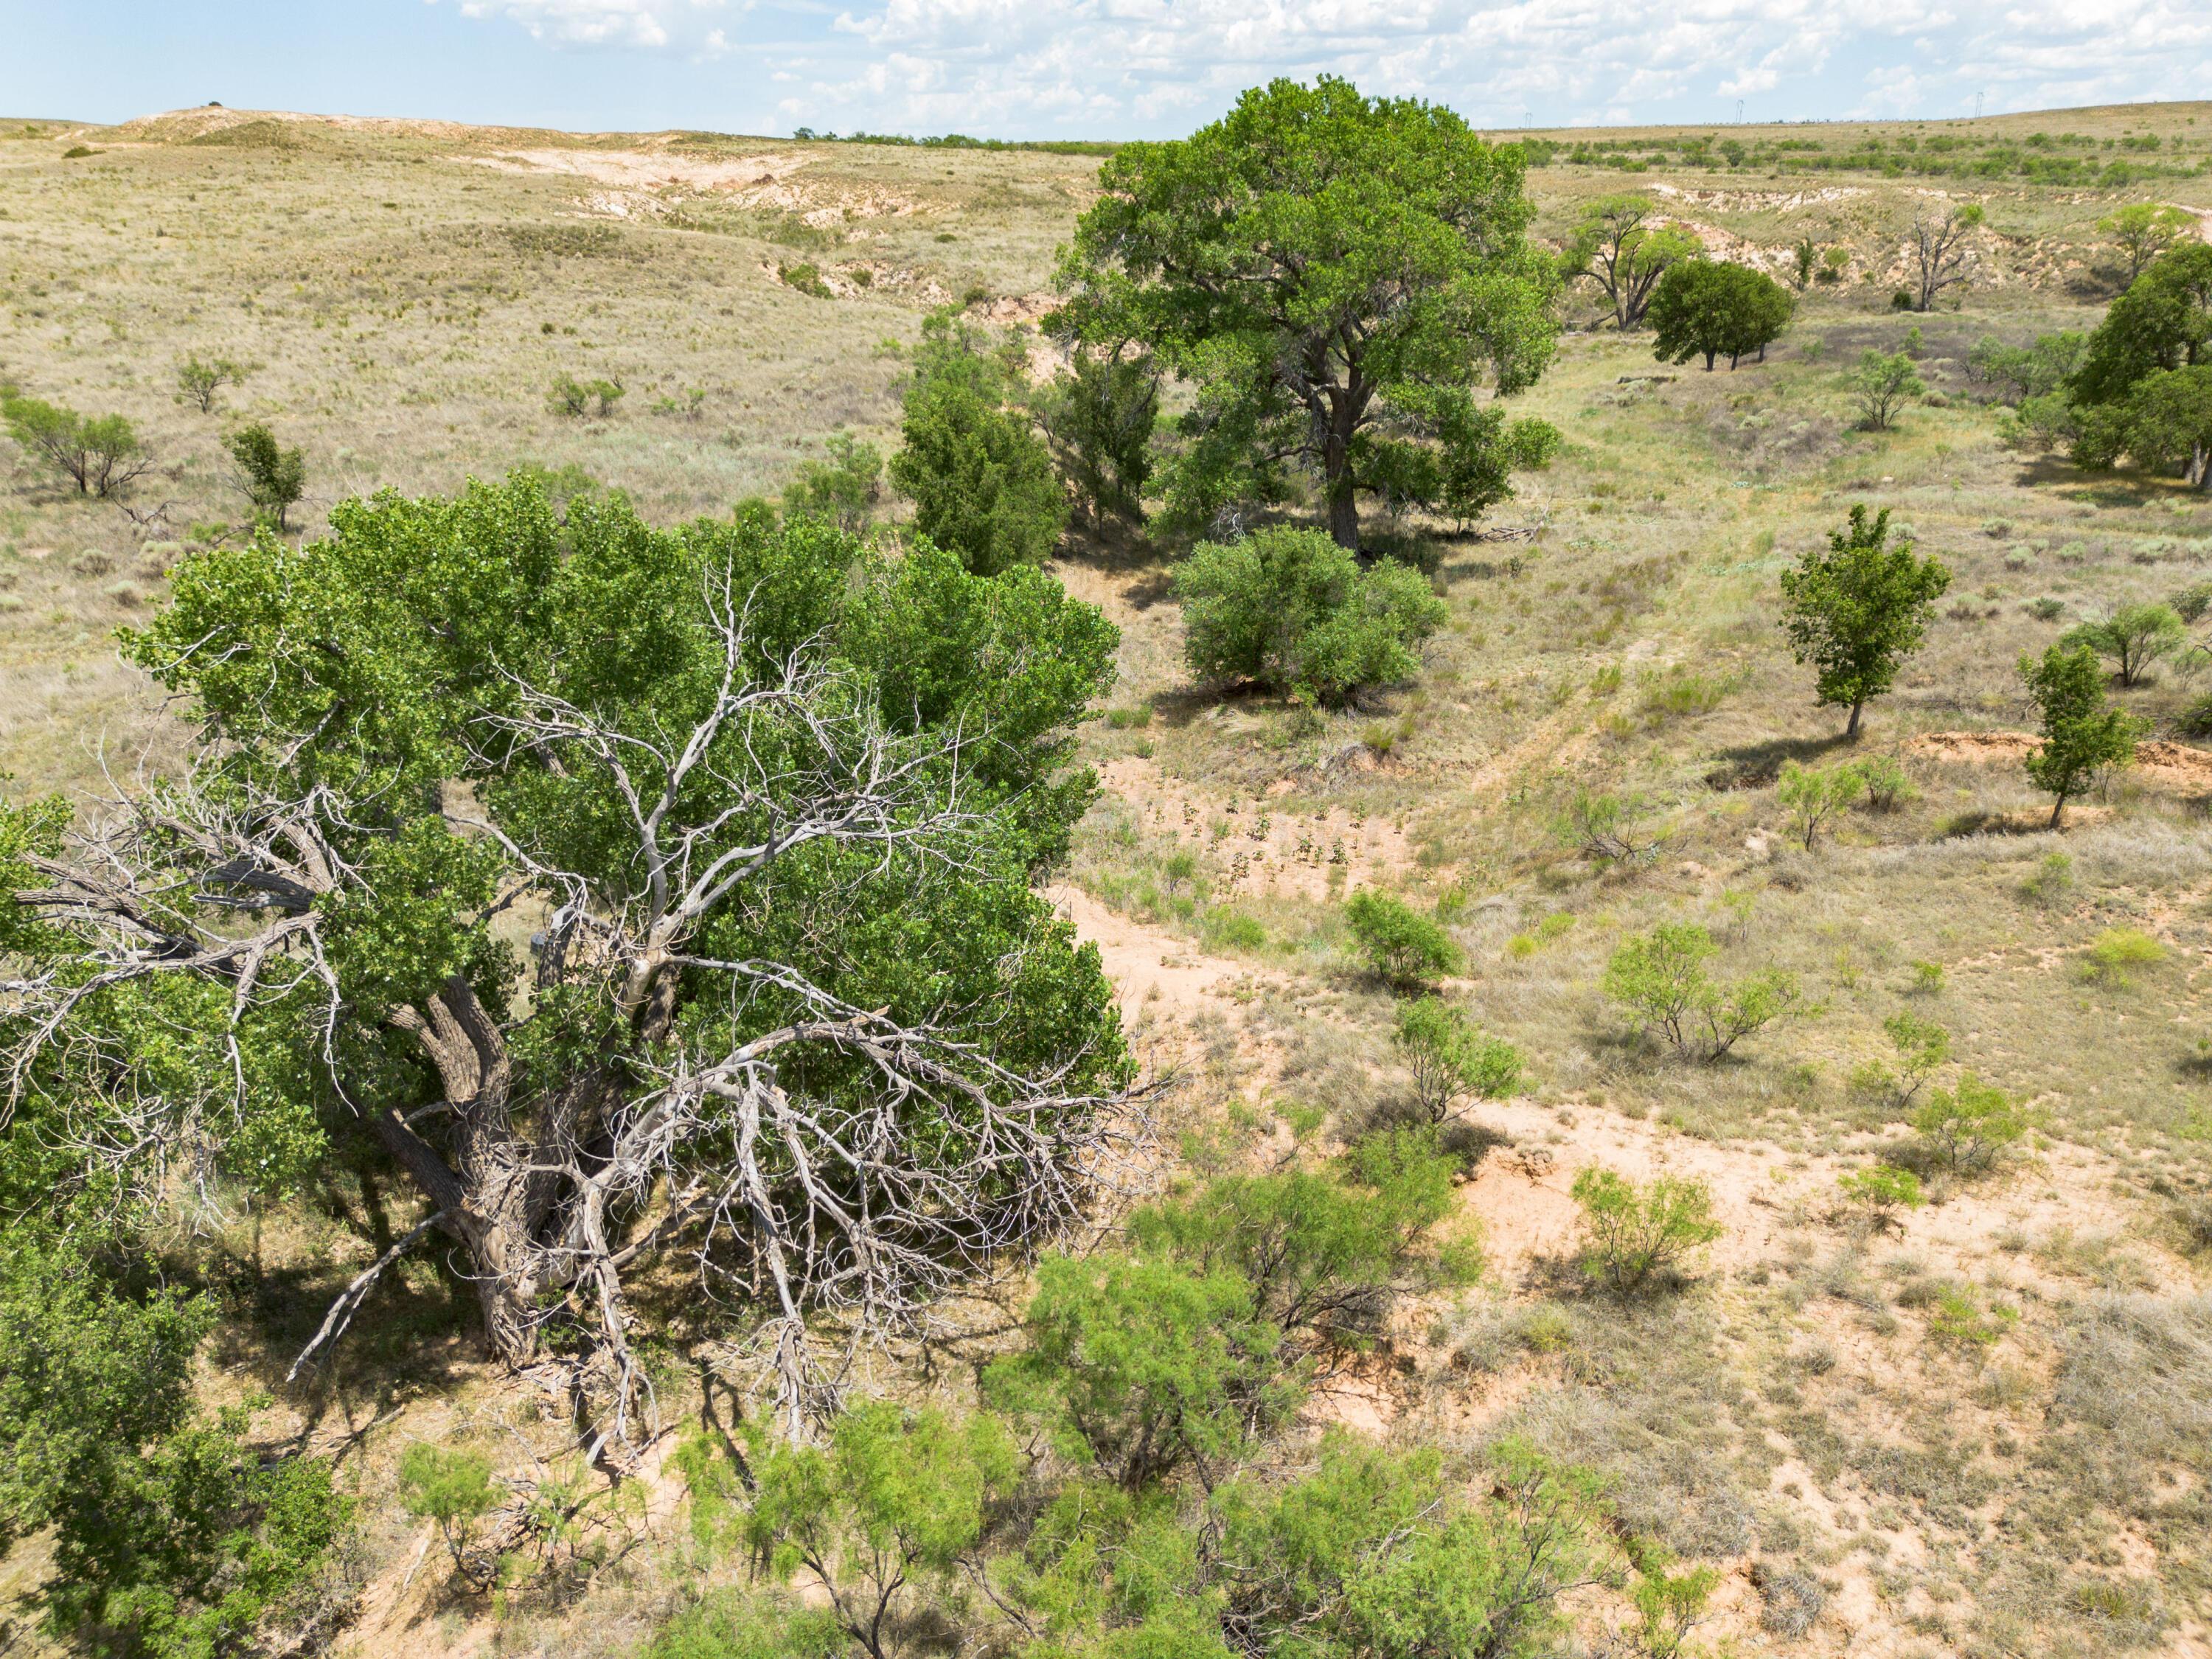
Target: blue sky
point(1087, 68)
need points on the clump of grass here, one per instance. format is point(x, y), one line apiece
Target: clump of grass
point(2115, 954)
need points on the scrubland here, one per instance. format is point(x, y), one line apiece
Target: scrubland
point(1981, 1429)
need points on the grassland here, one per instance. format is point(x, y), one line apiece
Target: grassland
point(1814, 1415)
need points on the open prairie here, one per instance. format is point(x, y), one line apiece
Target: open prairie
point(1981, 1427)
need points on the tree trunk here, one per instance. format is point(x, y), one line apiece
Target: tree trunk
point(1336, 471)
point(1344, 517)
point(1709, 356)
point(1852, 726)
point(2058, 810)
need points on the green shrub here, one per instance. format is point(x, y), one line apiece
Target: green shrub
point(1289, 610)
point(2053, 880)
point(2116, 952)
point(1887, 785)
point(454, 1490)
point(1964, 1130)
point(1660, 977)
point(1881, 1191)
point(1957, 1317)
point(576, 398)
point(1450, 1060)
point(1225, 928)
point(1637, 1233)
point(271, 477)
point(730, 1625)
point(1608, 828)
point(1881, 385)
point(2134, 637)
point(1397, 943)
point(843, 491)
point(198, 382)
point(806, 278)
point(1811, 796)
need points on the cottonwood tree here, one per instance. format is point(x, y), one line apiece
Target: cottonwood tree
point(1857, 610)
point(1618, 247)
point(766, 803)
point(2143, 230)
point(2163, 422)
point(2163, 321)
point(270, 476)
point(1939, 250)
point(1335, 276)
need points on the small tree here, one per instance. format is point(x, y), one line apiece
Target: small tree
point(1858, 609)
point(1400, 944)
point(1610, 828)
point(893, 1498)
point(1290, 609)
point(1939, 250)
point(1881, 386)
point(2083, 733)
point(576, 398)
point(1811, 796)
point(981, 485)
point(1964, 1130)
point(843, 491)
point(2143, 230)
point(1804, 260)
point(197, 382)
point(100, 454)
point(2029, 372)
point(1637, 1233)
point(1707, 306)
point(1921, 1046)
point(1097, 418)
point(2134, 637)
point(1450, 1060)
point(1616, 246)
point(1660, 977)
point(271, 477)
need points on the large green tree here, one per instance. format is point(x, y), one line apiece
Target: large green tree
point(1336, 277)
point(1858, 609)
point(1617, 247)
point(1708, 307)
point(2163, 321)
point(626, 890)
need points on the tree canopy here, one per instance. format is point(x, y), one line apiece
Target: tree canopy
point(2163, 321)
point(771, 800)
point(1336, 277)
point(1617, 247)
point(1857, 610)
point(1708, 306)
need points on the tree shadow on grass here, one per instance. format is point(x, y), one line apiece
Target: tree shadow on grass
point(1756, 765)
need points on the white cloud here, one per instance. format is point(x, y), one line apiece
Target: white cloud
point(652, 24)
point(1112, 67)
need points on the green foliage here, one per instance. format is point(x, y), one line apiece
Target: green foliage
point(1377, 1555)
point(1147, 1368)
point(1097, 417)
point(2030, 372)
point(1639, 1234)
point(2163, 321)
point(101, 454)
point(1881, 385)
point(1812, 796)
point(1921, 1047)
point(887, 1507)
point(1334, 276)
point(806, 278)
point(1661, 978)
point(1290, 609)
point(1608, 828)
point(1450, 1060)
point(577, 398)
point(980, 483)
point(1963, 1130)
point(1880, 1190)
point(2052, 882)
point(1708, 307)
point(2083, 733)
point(2143, 230)
point(1616, 246)
point(198, 382)
point(1230, 1301)
point(272, 477)
point(173, 1537)
point(2163, 422)
point(1888, 786)
point(2115, 954)
point(2134, 637)
point(843, 490)
point(730, 1625)
point(1958, 1318)
point(1669, 1605)
point(453, 1489)
point(1398, 944)
point(1858, 609)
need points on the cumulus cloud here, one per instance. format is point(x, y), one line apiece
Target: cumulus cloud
point(1120, 67)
